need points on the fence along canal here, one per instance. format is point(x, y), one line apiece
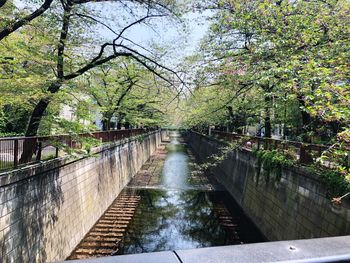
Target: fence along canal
point(42, 148)
point(166, 207)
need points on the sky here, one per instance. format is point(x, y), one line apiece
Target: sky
point(182, 39)
point(197, 27)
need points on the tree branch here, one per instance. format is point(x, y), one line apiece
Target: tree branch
point(95, 62)
point(62, 41)
point(121, 98)
point(112, 30)
point(21, 22)
point(131, 25)
point(136, 53)
point(2, 2)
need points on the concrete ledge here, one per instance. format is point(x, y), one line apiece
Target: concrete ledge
point(271, 251)
point(334, 249)
point(161, 257)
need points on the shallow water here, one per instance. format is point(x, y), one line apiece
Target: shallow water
point(177, 216)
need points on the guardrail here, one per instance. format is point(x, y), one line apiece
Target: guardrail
point(39, 148)
point(304, 153)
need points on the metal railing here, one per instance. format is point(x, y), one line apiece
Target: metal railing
point(304, 153)
point(48, 147)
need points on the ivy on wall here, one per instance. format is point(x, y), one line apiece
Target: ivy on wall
point(271, 163)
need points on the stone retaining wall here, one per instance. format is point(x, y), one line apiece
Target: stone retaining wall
point(46, 209)
point(294, 207)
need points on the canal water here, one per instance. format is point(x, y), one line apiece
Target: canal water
point(181, 210)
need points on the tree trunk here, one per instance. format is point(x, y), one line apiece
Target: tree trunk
point(29, 145)
point(267, 119)
point(285, 119)
point(127, 125)
point(236, 121)
point(106, 123)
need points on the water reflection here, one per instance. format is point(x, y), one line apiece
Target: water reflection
point(168, 220)
point(176, 217)
point(175, 171)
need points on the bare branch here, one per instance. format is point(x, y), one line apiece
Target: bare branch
point(150, 60)
point(113, 31)
point(150, 3)
point(131, 25)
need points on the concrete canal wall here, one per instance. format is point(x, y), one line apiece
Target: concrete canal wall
point(46, 209)
point(294, 207)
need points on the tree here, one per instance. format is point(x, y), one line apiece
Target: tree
point(118, 50)
point(126, 91)
point(283, 47)
point(108, 87)
point(72, 60)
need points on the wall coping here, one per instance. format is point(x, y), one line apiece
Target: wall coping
point(330, 249)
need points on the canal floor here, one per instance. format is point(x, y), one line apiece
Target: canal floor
point(167, 207)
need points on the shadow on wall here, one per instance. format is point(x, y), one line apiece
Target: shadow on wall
point(43, 217)
point(31, 208)
point(286, 206)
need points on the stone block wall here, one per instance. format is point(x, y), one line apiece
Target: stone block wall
point(294, 207)
point(46, 209)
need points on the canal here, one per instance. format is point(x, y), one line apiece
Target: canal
point(167, 207)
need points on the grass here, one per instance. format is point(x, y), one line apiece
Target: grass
point(5, 165)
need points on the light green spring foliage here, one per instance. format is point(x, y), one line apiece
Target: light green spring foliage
point(254, 49)
point(126, 91)
point(295, 53)
point(28, 65)
point(25, 65)
point(201, 103)
point(284, 49)
point(26, 62)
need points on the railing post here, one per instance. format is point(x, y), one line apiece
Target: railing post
point(15, 153)
point(304, 156)
point(38, 155)
point(70, 142)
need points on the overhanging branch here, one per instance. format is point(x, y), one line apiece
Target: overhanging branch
point(7, 30)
